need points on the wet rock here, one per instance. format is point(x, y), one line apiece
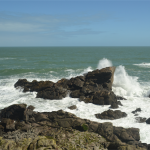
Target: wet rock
point(73, 107)
point(14, 112)
point(137, 110)
point(53, 93)
point(148, 121)
point(110, 114)
point(94, 87)
point(114, 105)
point(104, 77)
point(140, 119)
point(120, 98)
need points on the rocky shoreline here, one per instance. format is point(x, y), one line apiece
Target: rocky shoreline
point(21, 128)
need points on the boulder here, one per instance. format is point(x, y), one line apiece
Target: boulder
point(14, 112)
point(148, 121)
point(137, 110)
point(104, 77)
point(73, 107)
point(140, 119)
point(54, 92)
point(111, 115)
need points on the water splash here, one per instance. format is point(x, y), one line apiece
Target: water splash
point(103, 63)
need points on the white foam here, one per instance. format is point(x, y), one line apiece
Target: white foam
point(146, 65)
point(104, 63)
point(125, 85)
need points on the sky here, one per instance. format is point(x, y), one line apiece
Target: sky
point(74, 23)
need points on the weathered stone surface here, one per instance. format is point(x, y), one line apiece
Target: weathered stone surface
point(14, 112)
point(94, 87)
point(110, 114)
point(73, 107)
point(137, 110)
point(65, 128)
point(140, 119)
point(148, 121)
point(53, 93)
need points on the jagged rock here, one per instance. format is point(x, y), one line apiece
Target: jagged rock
point(120, 98)
point(114, 105)
point(104, 77)
point(110, 114)
point(94, 87)
point(14, 112)
point(59, 124)
point(53, 93)
point(140, 119)
point(148, 121)
point(137, 110)
point(104, 97)
point(73, 107)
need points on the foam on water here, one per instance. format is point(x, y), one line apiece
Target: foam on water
point(145, 65)
point(104, 63)
point(124, 85)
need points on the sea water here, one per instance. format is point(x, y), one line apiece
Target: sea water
point(131, 79)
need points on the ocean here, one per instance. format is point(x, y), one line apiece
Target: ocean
point(131, 79)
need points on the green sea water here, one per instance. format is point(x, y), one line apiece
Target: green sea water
point(43, 61)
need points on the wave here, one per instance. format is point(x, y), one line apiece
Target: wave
point(146, 65)
point(6, 58)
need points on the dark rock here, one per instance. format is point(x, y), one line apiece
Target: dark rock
point(110, 114)
point(75, 94)
point(8, 124)
point(104, 77)
point(140, 119)
point(126, 135)
point(137, 110)
point(53, 93)
point(52, 124)
point(114, 105)
point(73, 107)
point(120, 98)
point(148, 121)
point(94, 87)
point(104, 97)
point(14, 112)
point(119, 103)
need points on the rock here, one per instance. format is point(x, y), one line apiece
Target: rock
point(104, 77)
point(110, 114)
point(140, 119)
point(73, 107)
point(53, 93)
point(114, 105)
point(120, 98)
point(137, 110)
point(68, 130)
point(148, 121)
point(94, 87)
point(104, 97)
point(8, 124)
point(14, 112)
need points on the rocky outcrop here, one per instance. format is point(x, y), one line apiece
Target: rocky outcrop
point(140, 119)
point(111, 115)
point(61, 130)
point(94, 87)
point(73, 107)
point(137, 110)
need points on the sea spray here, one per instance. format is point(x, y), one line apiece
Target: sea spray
point(125, 85)
point(104, 63)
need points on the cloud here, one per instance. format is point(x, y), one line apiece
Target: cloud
point(26, 29)
point(49, 24)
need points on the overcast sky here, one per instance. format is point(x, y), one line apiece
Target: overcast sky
point(75, 23)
